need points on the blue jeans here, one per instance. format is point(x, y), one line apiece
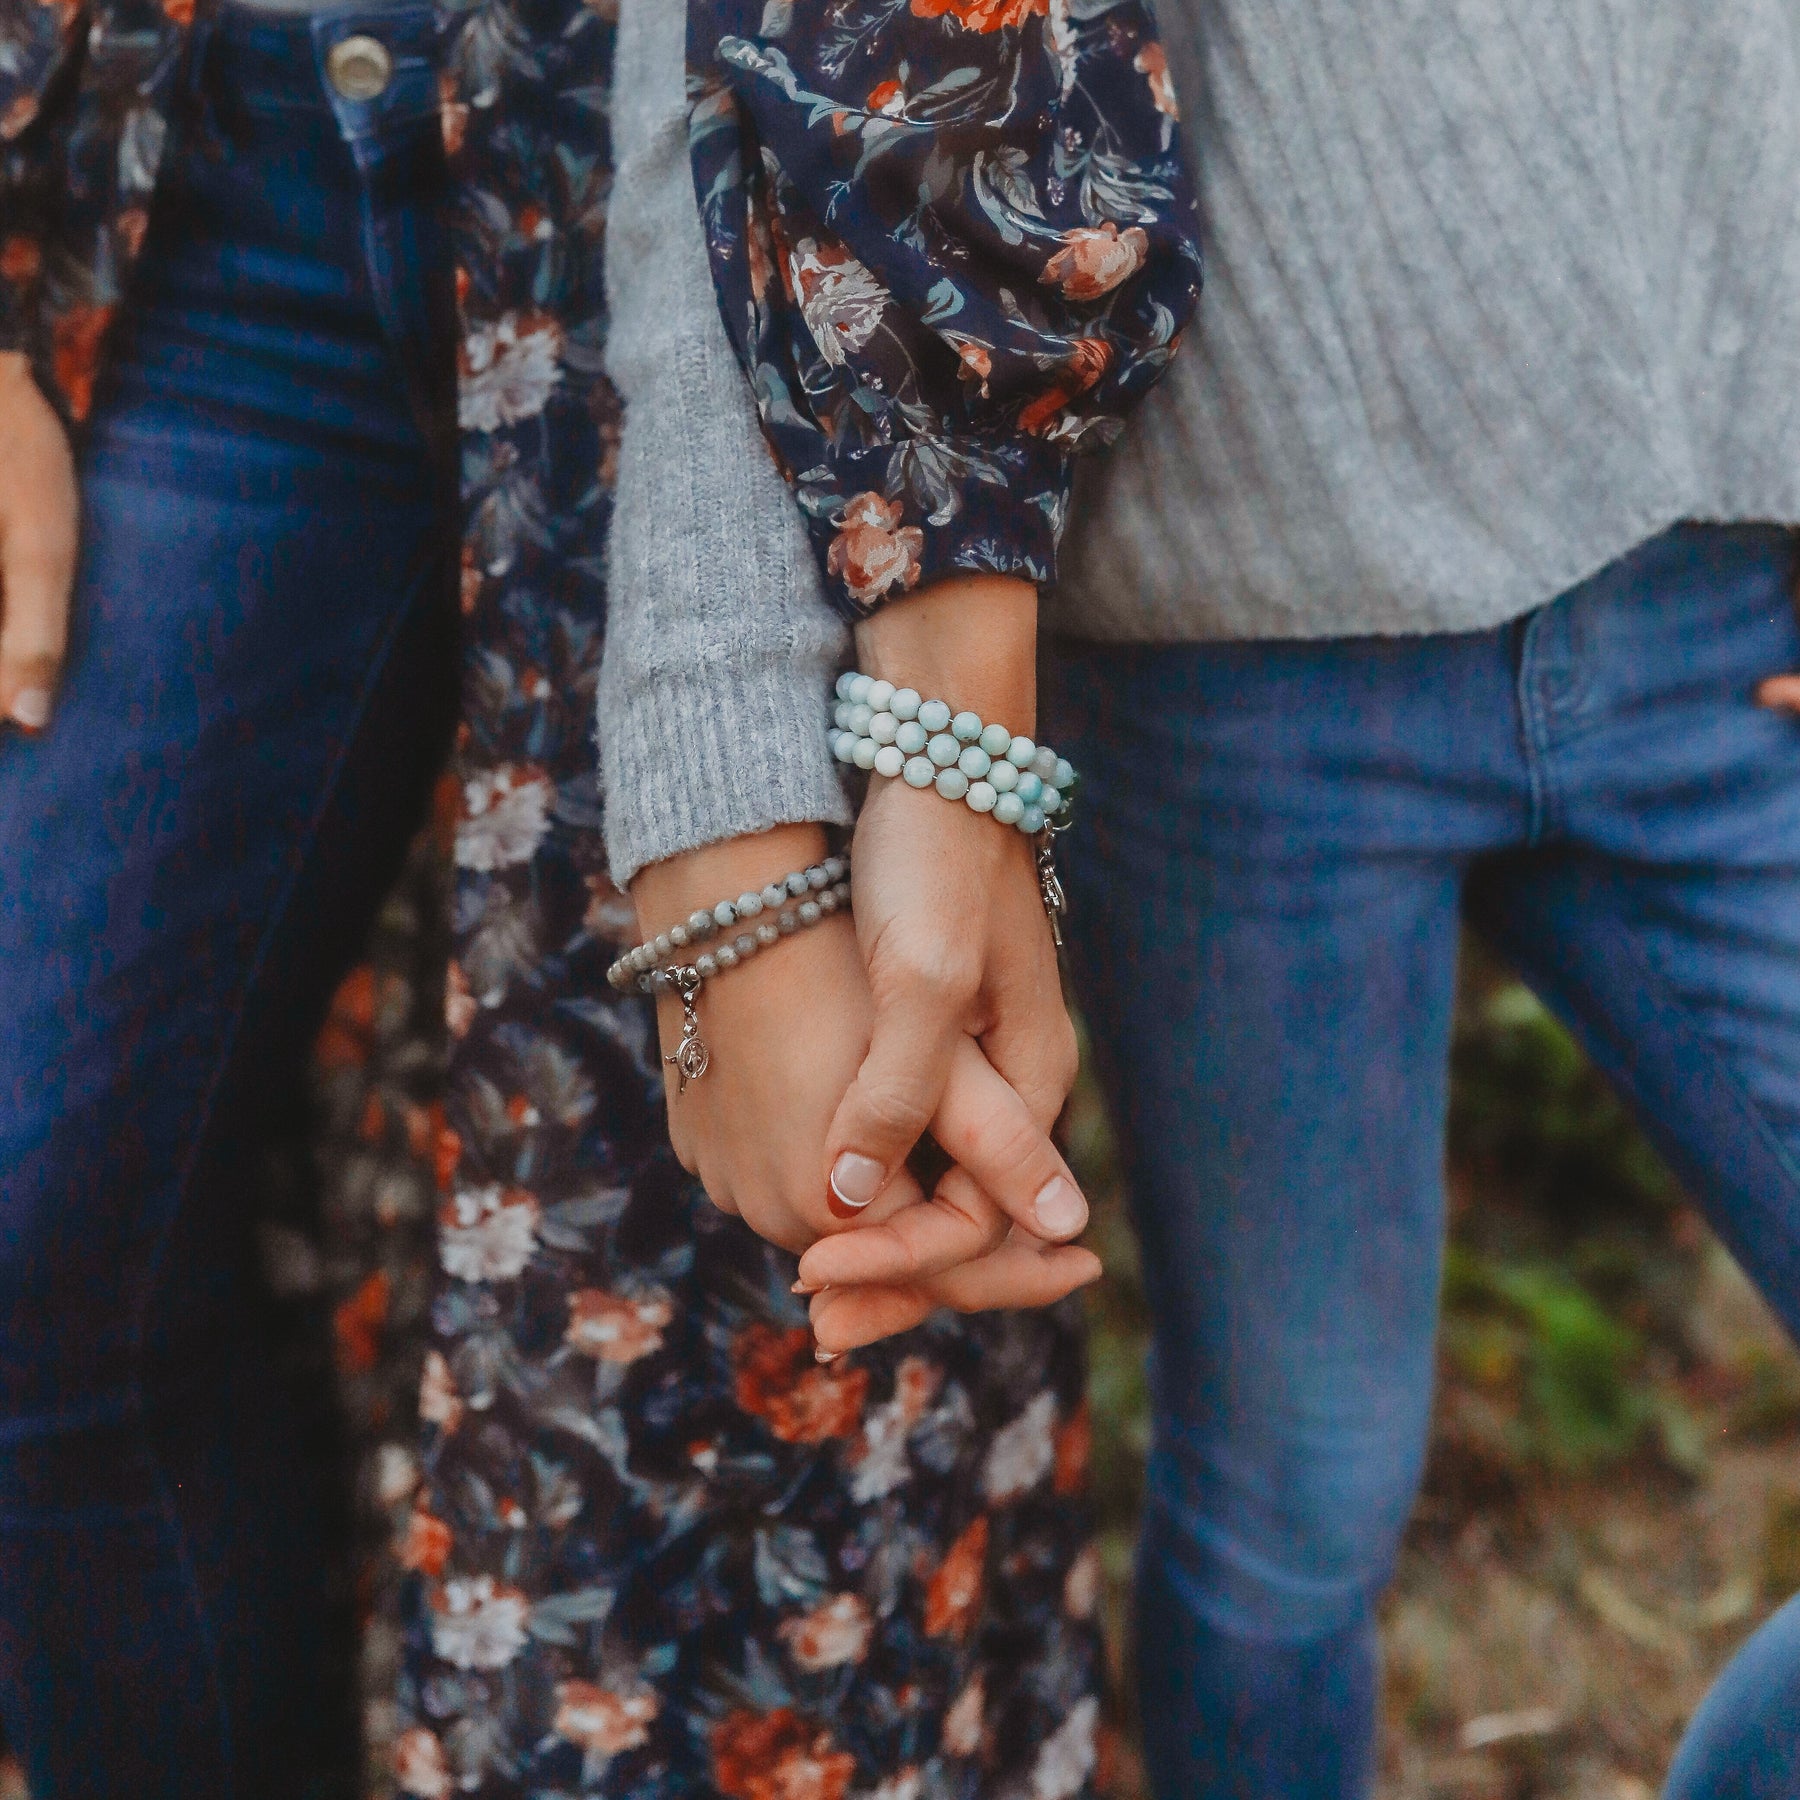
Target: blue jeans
point(262, 688)
point(1277, 842)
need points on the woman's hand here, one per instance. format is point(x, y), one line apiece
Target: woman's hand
point(38, 508)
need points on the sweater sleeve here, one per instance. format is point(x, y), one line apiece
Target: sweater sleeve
point(953, 242)
point(715, 688)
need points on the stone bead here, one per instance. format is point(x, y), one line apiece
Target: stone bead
point(726, 956)
point(889, 760)
point(843, 684)
point(1051, 801)
point(706, 965)
point(1064, 777)
point(700, 925)
point(749, 904)
point(745, 944)
point(1021, 752)
point(1030, 788)
point(981, 796)
point(884, 728)
point(952, 783)
point(905, 704)
point(1009, 809)
point(836, 869)
point(724, 915)
point(860, 719)
point(663, 946)
point(842, 890)
point(864, 753)
point(774, 894)
point(934, 715)
point(678, 937)
point(840, 714)
point(816, 877)
point(828, 901)
point(809, 912)
point(881, 695)
point(767, 934)
point(1033, 821)
point(787, 922)
point(995, 739)
point(965, 728)
point(1003, 776)
point(859, 690)
point(943, 750)
point(843, 745)
point(919, 772)
point(975, 762)
point(911, 738)
point(1043, 765)
point(796, 883)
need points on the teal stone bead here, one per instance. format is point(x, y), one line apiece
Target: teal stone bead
point(881, 695)
point(843, 684)
point(889, 761)
point(919, 773)
point(905, 703)
point(884, 728)
point(1064, 777)
point(995, 740)
point(1021, 752)
point(934, 715)
point(724, 915)
point(859, 690)
point(1030, 788)
point(1052, 802)
point(1033, 821)
point(981, 797)
point(842, 744)
point(840, 715)
point(1009, 809)
point(975, 762)
point(965, 728)
point(952, 783)
point(860, 715)
point(943, 750)
point(1004, 777)
point(864, 753)
point(1043, 765)
point(912, 737)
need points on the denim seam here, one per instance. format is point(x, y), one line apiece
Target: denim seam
point(1535, 733)
point(278, 914)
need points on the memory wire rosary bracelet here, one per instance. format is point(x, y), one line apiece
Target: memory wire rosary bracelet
point(893, 732)
point(673, 962)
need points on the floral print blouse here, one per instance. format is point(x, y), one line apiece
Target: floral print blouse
point(953, 242)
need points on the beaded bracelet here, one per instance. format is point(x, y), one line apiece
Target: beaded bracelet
point(891, 731)
point(796, 901)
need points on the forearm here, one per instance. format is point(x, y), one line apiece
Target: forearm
point(970, 640)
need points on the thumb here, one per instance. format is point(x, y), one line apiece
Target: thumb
point(1781, 692)
point(895, 1094)
point(37, 557)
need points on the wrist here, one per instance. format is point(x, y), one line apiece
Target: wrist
point(666, 892)
point(970, 640)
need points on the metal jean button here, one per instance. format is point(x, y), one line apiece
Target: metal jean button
point(359, 67)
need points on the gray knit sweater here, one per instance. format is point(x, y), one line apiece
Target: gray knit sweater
point(1496, 289)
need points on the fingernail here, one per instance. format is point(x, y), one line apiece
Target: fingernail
point(856, 1180)
point(803, 1287)
point(31, 708)
point(826, 1356)
point(1059, 1208)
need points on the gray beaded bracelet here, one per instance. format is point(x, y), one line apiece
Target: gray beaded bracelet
point(891, 731)
point(673, 962)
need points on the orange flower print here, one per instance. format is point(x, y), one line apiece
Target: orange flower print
point(505, 816)
point(617, 1328)
point(603, 1722)
point(426, 1544)
point(1022, 1452)
point(982, 15)
point(835, 1632)
point(1153, 62)
point(888, 99)
point(1074, 1444)
point(1095, 259)
point(761, 259)
point(953, 1595)
point(873, 552)
point(1081, 1586)
point(802, 1402)
point(879, 1461)
point(1089, 359)
point(508, 370)
point(357, 1324)
point(20, 259)
point(76, 339)
point(478, 1622)
point(977, 363)
point(963, 1722)
point(488, 1233)
point(840, 300)
point(419, 1766)
point(460, 1004)
point(439, 1402)
point(17, 116)
point(453, 113)
point(179, 12)
point(778, 1756)
point(348, 1034)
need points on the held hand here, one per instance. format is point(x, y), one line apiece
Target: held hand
point(1780, 693)
point(38, 508)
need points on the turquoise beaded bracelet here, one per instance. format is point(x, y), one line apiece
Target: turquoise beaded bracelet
point(892, 731)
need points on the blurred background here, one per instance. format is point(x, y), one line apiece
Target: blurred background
point(1613, 1497)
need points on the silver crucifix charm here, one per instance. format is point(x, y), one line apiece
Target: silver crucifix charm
point(1050, 886)
point(690, 1057)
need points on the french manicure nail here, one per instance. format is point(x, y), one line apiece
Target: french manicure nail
point(856, 1180)
point(826, 1356)
point(1059, 1208)
point(31, 708)
point(803, 1287)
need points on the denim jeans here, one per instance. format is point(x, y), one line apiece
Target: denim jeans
point(261, 690)
point(1277, 843)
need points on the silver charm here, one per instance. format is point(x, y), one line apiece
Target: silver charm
point(1050, 887)
point(690, 1057)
